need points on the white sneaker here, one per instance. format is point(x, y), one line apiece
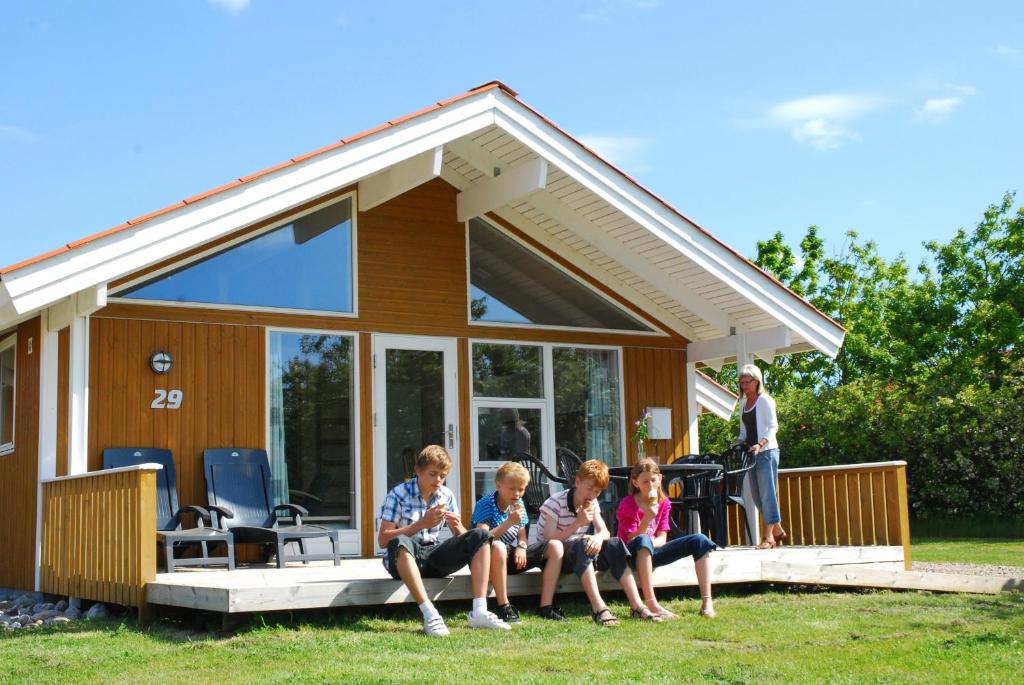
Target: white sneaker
point(487, 620)
point(435, 627)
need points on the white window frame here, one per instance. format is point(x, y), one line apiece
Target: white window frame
point(224, 247)
point(349, 539)
point(546, 402)
point(655, 330)
point(11, 341)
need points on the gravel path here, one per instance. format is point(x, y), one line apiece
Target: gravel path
point(969, 569)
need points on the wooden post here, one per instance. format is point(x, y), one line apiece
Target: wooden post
point(147, 535)
point(904, 513)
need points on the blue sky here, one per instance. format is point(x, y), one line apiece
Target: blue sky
point(900, 120)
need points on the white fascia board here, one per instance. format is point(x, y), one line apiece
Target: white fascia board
point(491, 193)
point(601, 179)
point(400, 178)
point(753, 342)
point(105, 259)
point(715, 398)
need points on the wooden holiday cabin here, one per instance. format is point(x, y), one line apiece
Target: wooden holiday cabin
point(420, 282)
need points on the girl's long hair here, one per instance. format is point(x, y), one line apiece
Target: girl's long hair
point(645, 466)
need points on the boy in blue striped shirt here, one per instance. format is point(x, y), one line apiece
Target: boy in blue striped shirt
point(503, 513)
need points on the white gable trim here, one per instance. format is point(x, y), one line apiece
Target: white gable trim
point(37, 285)
point(605, 182)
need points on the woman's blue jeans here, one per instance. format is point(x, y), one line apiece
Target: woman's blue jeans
point(688, 545)
point(764, 485)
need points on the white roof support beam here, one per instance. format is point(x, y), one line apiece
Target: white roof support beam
point(482, 160)
point(715, 398)
point(404, 176)
point(740, 346)
point(492, 193)
point(597, 237)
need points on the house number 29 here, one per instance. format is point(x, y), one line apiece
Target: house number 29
point(167, 399)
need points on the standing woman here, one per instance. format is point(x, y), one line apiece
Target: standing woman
point(758, 427)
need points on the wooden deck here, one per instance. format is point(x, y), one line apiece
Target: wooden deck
point(364, 581)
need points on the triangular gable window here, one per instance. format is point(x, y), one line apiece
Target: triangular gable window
point(510, 284)
point(306, 264)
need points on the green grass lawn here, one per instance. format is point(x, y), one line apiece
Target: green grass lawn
point(770, 637)
point(1002, 552)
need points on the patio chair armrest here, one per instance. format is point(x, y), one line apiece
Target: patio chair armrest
point(202, 515)
point(297, 509)
point(222, 512)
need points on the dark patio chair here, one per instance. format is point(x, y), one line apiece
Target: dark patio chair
point(568, 463)
point(539, 487)
point(738, 462)
point(238, 489)
point(171, 533)
point(699, 492)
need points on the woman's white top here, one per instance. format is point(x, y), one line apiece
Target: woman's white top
point(767, 420)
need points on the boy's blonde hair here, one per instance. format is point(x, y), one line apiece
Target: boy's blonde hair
point(512, 471)
point(436, 456)
point(594, 470)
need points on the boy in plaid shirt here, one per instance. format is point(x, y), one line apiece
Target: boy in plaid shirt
point(411, 518)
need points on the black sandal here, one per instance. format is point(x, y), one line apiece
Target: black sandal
point(645, 614)
point(604, 618)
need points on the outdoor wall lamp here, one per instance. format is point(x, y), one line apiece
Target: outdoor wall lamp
point(161, 362)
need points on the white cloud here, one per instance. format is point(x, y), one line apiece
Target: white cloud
point(830, 107)
point(626, 152)
point(232, 6)
point(939, 109)
point(1008, 52)
point(822, 134)
point(16, 133)
point(822, 121)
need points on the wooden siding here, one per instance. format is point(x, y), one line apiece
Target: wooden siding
point(656, 378)
point(220, 370)
point(99, 536)
point(19, 469)
point(63, 398)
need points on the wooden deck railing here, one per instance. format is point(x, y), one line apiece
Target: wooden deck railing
point(857, 504)
point(99, 535)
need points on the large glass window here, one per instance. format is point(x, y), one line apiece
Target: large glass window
point(510, 284)
point(306, 264)
point(508, 370)
point(312, 430)
point(588, 420)
point(8, 355)
point(519, 406)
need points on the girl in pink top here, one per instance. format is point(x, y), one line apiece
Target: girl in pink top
point(644, 525)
